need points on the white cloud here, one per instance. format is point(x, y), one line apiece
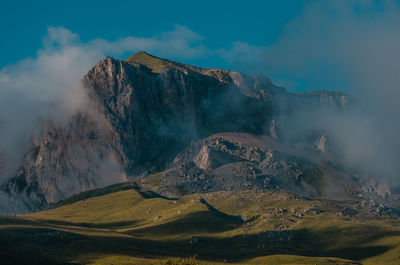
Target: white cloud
point(351, 46)
point(180, 42)
point(48, 85)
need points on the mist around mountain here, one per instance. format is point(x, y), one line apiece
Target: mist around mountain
point(196, 130)
point(168, 163)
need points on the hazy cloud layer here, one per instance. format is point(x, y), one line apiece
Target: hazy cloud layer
point(351, 46)
point(48, 86)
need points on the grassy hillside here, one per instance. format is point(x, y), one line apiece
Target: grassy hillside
point(124, 224)
point(158, 64)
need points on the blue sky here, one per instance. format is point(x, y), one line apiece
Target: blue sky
point(24, 23)
point(301, 45)
point(346, 45)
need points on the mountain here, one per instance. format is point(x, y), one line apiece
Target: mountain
point(188, 129)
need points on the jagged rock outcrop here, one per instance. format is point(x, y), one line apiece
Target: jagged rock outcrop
point(232, 161)
point(145, 111)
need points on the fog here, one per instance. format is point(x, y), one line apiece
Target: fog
point(350, 46)
point(48, 86)
point(35, 89)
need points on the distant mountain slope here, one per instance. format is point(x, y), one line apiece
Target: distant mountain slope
point(142, 113)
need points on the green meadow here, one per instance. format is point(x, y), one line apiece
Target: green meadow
point(126, 224)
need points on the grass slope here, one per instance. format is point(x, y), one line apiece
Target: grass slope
point(157, 64)
point(124, 224)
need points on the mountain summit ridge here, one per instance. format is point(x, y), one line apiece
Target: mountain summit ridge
point(157, 64)
point(148, 112)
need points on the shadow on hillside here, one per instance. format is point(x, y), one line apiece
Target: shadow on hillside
point(35, 245)
point(6, 220)
point(92, 225)
point(62, 245)
point(195, 222)
point(241, 247)
point(146, 194)
point(149, 194)
point(233, 218)
point(210, 221)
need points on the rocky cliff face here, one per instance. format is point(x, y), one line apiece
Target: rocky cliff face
point(64, 161)
point(145, 113)
point(157, 114)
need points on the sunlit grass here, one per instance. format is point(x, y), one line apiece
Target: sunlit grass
point(125, 224)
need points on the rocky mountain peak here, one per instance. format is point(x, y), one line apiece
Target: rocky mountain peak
point(147, 112)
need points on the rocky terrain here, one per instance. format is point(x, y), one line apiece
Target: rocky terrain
point(188, 128)
point(234, 161)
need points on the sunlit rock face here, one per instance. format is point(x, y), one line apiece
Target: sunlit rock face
point(147, 114)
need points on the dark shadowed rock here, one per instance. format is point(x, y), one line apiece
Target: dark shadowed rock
point(148, 114)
